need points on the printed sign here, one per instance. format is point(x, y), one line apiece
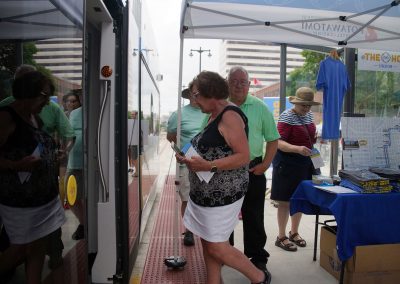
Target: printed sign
point(273, 105)
point(377, 60)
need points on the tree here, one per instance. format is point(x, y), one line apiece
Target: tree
point(8, 64)
point(376, 92)
point(305, 75)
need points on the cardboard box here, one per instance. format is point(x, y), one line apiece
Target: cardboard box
point(375, 264)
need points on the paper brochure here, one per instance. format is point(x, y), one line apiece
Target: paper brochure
point(190, 152)
point(335, 189)
point(316, 159)
point(25, 176)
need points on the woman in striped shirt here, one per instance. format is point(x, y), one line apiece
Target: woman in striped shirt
point(292, 163)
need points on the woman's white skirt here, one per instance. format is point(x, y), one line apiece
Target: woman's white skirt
point(24, 225)
point(213, 224)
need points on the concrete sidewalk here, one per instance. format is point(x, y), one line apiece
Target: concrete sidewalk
point(285, 267)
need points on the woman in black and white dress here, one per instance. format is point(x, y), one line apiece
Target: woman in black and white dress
point(213, 207)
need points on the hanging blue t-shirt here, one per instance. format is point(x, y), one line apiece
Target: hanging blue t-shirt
point(334, 81)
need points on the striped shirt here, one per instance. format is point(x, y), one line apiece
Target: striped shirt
point(297, 130)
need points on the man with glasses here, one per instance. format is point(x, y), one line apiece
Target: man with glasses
point(262, 129)
point(191, 124)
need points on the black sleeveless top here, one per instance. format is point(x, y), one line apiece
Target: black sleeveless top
point(42, 186)
point(225, 186)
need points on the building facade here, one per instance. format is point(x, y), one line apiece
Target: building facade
point(261, 60)
point(63, 56)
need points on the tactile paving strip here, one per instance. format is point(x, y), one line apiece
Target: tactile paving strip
point(161, 246)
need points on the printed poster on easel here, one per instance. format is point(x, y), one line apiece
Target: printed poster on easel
point(371, 142)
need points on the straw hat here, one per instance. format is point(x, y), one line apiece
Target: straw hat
point(304, 96)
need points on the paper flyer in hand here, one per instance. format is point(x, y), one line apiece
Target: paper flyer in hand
point(190, 152)
point(316, 159)
point(25, 176)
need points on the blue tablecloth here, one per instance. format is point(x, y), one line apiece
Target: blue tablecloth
point(362, 219)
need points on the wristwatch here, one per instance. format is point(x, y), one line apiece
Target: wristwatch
point(214, 168)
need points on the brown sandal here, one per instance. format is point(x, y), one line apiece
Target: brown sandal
point(288, 247)
point(299, 241)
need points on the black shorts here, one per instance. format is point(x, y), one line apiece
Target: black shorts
point(133, 152)
point(287, 175)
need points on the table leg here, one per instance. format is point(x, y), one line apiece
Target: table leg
point(341, 279)
point(316, 236)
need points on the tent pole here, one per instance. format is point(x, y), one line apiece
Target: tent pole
point(349, 60)
point(348, 108)
point(175, 261)
point(282, 87)
point(19, 48)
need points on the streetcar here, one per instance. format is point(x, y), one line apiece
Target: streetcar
point(106, 50)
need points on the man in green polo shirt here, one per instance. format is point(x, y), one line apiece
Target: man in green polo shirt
point(262, 128)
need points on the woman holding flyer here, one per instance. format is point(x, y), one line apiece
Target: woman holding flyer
point(292, 163)
point(222, 149)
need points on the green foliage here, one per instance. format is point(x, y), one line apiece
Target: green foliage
point(8, 56)
point(376, 93)
point(305, 75)
point(8, 64)
point(29, 50)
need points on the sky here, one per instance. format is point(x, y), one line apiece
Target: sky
point(165, 20)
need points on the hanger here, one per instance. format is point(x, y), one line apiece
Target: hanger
point(334, 54)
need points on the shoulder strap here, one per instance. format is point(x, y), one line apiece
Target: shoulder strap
point(237, 110)
point(305, 126)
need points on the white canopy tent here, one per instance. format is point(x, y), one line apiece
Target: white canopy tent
point(345, 23)
point(33, 20)
point(371, 24)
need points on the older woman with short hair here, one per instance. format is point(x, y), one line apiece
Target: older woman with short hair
point(213, 207)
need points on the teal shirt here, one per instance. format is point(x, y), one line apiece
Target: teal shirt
point(53, 117)
point(191, 120)
point(75, 157)
point(261, 123)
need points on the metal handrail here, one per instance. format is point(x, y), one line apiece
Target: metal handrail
point(105, 191)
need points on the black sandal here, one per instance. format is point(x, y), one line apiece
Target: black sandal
point(299, 241)
point(267, 278)
point(288, 247)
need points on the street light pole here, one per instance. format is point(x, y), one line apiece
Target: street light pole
point(200, 51)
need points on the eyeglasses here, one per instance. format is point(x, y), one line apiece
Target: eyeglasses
point(195, 95)
point(242, 83)
point(306, 106)
point(44, 94)
point(71, 101)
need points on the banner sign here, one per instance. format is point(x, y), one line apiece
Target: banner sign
point(377, 60)
point(273, 105)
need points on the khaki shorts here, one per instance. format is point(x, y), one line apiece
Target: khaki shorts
point(184, 187)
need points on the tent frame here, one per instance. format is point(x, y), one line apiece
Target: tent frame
point(349, 55)
point(278, 24)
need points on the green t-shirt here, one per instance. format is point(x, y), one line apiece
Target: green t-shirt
point(191, 120)
point(53, 117)
point(75, 157)
point(261, 123)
